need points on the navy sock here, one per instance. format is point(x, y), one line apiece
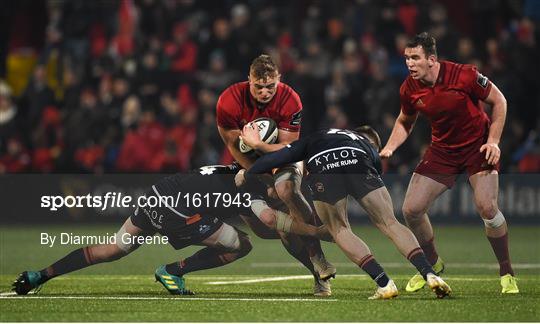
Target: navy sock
point(206, 258)
point(419, 260)
point(78, 259)
point(374, 270)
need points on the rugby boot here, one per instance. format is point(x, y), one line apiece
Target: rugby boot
point(509, 284)
point(27, 281)
point(418, 282)
point(439, 287)
point(174, 284)
point(325, 269)
point(322, 288)
point(387, 292)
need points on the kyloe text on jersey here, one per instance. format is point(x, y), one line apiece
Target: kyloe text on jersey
point(335, 155)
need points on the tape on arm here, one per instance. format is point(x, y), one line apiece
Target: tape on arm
point(257, 206)
point(283, 220)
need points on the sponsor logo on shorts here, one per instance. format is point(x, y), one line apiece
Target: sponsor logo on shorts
point(319, 187)
point(156, 219)
point(204, 228)
point(370, 175)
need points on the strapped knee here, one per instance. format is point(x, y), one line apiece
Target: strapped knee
point(228, 238)
point(126, 247)
point(496, 221)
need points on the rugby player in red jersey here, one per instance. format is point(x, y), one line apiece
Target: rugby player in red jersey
point(464, 139)
point(263, 95)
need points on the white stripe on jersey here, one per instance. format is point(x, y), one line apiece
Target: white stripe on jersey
point(165, 203)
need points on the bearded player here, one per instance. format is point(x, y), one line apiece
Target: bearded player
point(463, 139)
point(263, 95)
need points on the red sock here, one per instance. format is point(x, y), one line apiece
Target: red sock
point(500, 247)
point(430, 251)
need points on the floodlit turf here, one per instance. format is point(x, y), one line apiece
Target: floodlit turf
point(268, 286)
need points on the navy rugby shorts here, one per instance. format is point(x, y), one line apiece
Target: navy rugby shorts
point(356, 180)
point(182, 228)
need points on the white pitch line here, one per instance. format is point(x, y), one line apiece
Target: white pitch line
point(170, 298)
point(12, 293)
point(399, 265)
point(360, 276)
point(247, 281)
point(138, 277)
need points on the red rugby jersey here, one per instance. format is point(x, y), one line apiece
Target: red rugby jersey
point(452, 105)
point(236, 107)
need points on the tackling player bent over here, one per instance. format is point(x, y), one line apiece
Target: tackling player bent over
point(183, 225)
point(342, 163)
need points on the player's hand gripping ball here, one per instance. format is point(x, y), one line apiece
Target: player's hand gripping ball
point(268, 133)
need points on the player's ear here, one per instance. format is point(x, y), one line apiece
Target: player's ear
point(432, 59)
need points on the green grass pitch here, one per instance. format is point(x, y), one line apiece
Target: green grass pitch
point(268, 285)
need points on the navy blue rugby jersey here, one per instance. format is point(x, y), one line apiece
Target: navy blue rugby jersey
point(326, 151)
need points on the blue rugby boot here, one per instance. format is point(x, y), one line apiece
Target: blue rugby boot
point(27, 281)
point(174, 284)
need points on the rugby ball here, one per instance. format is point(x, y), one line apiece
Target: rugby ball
point(267, 130)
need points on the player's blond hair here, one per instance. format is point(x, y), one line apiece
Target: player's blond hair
point(263, 67)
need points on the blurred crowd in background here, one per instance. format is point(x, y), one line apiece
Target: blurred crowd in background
point(131, 86)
